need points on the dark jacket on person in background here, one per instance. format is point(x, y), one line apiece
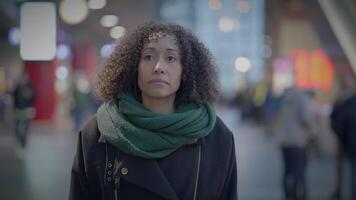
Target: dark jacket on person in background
point(204, 170)
point(24, 96)
point(343, 123)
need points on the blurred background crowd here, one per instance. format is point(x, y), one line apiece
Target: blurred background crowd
point(287, 70)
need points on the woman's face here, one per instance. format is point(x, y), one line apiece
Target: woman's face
point(160, 68)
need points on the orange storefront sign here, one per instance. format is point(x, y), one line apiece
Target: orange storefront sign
point(313, 70)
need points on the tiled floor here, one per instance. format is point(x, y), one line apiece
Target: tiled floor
point(42, 170)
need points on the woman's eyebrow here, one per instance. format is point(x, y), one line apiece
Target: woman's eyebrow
point(170, 49)
point(148, 48)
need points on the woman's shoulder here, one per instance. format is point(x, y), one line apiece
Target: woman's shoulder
point(223, 130)
point(89, 133)
point(221, 135)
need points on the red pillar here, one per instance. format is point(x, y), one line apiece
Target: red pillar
point(84, 59)
point(42, 76)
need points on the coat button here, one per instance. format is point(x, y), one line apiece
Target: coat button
point(124, 171)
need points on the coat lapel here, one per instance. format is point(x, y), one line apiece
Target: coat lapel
point(147, 174)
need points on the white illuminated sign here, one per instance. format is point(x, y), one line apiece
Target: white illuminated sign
point(38, 31)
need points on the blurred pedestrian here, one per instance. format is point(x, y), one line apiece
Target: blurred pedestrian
point(343, 123)
point(157, 135)
point(294, 129)
point(80, 99)
point(24, 97)
point(270, 108)
point(3, 89)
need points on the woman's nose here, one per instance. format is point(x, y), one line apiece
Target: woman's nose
point(159, 68)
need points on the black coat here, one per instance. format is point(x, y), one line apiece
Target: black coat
point(24, 96)
point(206, 169)
point(343, 122)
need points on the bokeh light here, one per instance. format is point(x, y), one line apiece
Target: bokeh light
point(106, 50)
point(62, 72)
point(243, 6)
point(73, 11)
point(215, 4)
point(117, 32)
point(109, 20)
point(96, 4)
point(242, 64)
point(226, 24)
point(63, 52)
point(14, 36)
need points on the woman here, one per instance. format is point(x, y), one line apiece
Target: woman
point(157, 135)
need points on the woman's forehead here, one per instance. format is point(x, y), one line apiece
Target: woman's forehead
point(156, 36)
point(159, 37)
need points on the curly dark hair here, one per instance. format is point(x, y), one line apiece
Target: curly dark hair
point(199, 83)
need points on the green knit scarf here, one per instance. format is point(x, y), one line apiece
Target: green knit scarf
point(131, 127)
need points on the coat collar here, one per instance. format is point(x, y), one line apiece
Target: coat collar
point(146, 173)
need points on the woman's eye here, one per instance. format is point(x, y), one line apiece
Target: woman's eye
point(148, 57)
point(171, 58)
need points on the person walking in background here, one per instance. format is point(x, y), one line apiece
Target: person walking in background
point(157, 135)
point(80, 107)
point(294, 128)
point(343, 123)
point(3, 89)
point(24, 97)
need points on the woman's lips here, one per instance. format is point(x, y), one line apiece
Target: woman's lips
point(158, 81)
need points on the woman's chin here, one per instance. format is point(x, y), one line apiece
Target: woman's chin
point(159, 94)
